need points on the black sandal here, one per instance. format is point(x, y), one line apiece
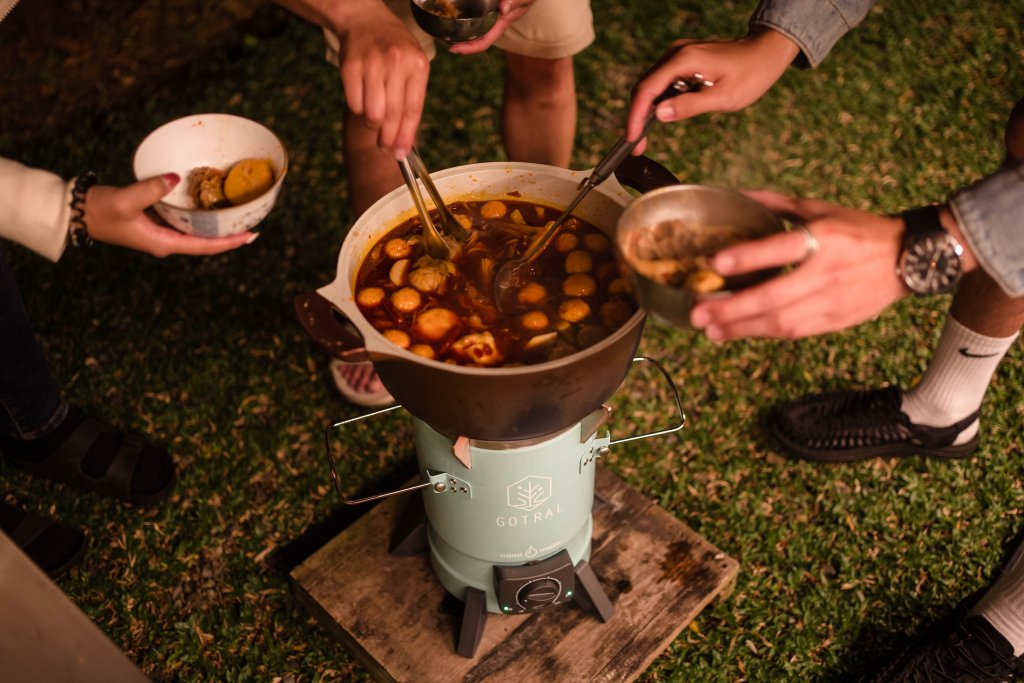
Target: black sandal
point(844, 426)
point(54, 548)
point(133, 455)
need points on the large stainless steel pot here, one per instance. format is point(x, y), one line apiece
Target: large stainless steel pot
point(495, 404)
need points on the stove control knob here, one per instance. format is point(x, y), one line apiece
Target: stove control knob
point(539, 594)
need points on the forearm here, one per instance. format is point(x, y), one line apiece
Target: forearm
point(34, 208)
point(333, 15)
point(815, 26)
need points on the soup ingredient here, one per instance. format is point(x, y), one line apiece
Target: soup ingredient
point(212, 188)
point(447, 309)
point(442, 8)
point(248, 179)
point(206, 187)
point(675, 253)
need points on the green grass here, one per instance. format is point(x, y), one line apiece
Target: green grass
point(205, 355)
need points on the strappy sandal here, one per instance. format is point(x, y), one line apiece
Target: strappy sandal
point(53, 547)
point(65, 464)
point(367, 399)
point(844, 426)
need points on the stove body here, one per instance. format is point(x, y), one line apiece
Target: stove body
point(516, 522)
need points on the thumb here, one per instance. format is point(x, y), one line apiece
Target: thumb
point(145, 193)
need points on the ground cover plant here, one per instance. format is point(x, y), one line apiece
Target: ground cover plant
point(838, 564)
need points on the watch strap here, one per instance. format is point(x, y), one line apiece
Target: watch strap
point(921, 221)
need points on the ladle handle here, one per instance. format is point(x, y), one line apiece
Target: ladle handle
point(623, 147)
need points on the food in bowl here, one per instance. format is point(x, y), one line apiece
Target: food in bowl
point(214, 141)
point(442, 8)
point(445, 310)
point(212, 188)
point(676, 253)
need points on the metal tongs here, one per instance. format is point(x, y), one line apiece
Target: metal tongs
point(434, 242)
point(513, 274)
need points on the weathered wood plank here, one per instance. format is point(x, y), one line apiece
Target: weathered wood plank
point(393, 614)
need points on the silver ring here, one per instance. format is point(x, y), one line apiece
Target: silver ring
point(810, 242)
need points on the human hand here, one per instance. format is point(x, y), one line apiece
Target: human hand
point(510, 11)
point(741, 70)
point(384, 72)
point(116, 215)
point(850, 279)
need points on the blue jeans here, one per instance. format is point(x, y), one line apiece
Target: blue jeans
point(30, 400)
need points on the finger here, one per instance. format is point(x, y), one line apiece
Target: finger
point(352, 84)
point(639, 148)
point(797, 209)
point(482, 43)
point(133, 199)
point(774, 251)
point(394, 102)
point(415, 94)
point(776, 294)
point(167, 241)
point(643, 97)
point(374, 97)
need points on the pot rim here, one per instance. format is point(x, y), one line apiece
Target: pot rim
point(340, 292)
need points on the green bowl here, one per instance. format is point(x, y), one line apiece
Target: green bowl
point(475, 18)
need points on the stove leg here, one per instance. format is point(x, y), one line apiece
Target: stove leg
point(410, 534)
point(589, 595)
point(474, 617)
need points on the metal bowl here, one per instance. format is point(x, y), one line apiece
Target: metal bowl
point(475, 18)
point(683, 222)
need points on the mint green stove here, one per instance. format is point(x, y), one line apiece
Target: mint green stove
point(508, 524)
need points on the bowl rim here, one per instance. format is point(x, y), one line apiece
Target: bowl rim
point(218, 115)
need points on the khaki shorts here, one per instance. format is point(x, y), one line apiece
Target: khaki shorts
point(550, 29)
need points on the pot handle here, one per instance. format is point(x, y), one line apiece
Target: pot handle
point(644, 174)
point(330, 328)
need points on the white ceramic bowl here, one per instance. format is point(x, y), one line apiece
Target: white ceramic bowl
point(220, 141)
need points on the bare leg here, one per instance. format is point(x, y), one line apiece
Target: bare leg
point(372, 173)
point(539, 109)
point(982, 306)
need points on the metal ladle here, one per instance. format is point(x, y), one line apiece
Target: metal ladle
point(515, 273)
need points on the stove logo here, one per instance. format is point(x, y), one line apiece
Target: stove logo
point(529, 493)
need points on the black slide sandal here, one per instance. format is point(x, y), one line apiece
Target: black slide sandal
point(53, 547)
point(65, 464)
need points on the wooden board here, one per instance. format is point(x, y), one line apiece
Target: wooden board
point(393, 614)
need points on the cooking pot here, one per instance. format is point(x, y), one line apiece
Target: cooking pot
point(493, 404)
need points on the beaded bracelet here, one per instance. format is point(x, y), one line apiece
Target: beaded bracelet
point(77, 230)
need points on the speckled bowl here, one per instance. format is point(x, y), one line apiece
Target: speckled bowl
point(220, 141)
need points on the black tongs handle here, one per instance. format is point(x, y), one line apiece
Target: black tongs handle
point(623, 147)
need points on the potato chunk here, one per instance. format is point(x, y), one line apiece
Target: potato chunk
point(574, 310)
point(579, 261)
point(493, 210)
point(531, 293)
point(534, 320)
point(406, 300)
point(398, 337)
point(435, 323)
point(579, 284)
point(370, 297)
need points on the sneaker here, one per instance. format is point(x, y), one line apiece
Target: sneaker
point(974, 652)
point(843, 426)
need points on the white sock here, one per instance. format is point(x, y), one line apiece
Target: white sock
point(956, 379)
point(1003, 604)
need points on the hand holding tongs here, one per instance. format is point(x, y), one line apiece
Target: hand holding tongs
point(413, 168)
point(513, 273)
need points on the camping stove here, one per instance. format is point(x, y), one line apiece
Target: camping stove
point(508, 524)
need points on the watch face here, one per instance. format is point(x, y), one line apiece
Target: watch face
point(931, 264)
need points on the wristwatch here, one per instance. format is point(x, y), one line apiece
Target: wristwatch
point(929, 261)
